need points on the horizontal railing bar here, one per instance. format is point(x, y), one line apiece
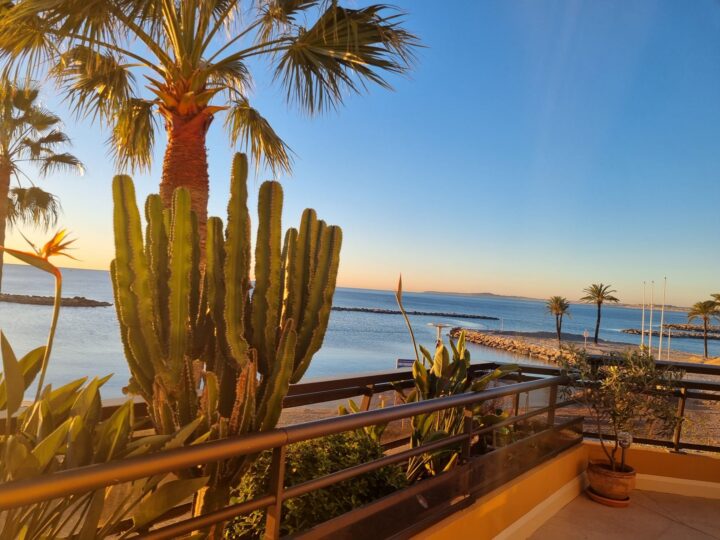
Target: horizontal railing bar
point(329, 426)
point(702, 396)
point(351, 472)
point(658, 442)
point(207, 520)
point(82, 479)
point(512, 420)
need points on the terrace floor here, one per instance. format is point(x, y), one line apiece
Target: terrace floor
point(650, 515)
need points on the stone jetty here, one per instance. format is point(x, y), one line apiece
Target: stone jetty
point(75, 301)
point(510, 344)
point(430, 313)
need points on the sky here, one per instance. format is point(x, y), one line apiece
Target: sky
point(536, 147)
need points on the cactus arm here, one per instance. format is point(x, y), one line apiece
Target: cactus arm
point(195, 270)
point(135, 303)
point(180, 275)
point(298, 283)
point(317, 313)
point(156, 252)
point(265, 308)
point(287, 292)
point(141, 372)
point(237, 261)
point(277, 384)
point(243, 414)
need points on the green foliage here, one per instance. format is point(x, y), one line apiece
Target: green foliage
point(436, 376)
point(198, 343)
point(374, 432)
point(61, 430)
point(313, 459)
point(624, 394)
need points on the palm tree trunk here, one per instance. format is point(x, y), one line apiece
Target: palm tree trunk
point(705, 332)
point(597, 323)
point(558, 326)
point(4, 189)
point(185, 164)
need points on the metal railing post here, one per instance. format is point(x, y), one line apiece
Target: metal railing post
point(467, 430)
point(516, 397)
point(552, 402)
point(367, 398)
point(679, 417)
point(277, 488)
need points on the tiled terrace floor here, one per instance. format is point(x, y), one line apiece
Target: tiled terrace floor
point(650, 516)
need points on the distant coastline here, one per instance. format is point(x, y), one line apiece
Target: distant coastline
point(657, 307)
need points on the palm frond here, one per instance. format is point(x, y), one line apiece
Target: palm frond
point(133, 136)
point(275, 16)
point(342, 52)
point(94, 83)
point(249, 128)
point(234, 76)
point(32, 206)
point(60, 162)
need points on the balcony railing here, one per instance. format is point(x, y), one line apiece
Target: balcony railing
point(402, 512)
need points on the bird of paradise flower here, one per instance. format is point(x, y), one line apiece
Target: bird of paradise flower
point(58, 245)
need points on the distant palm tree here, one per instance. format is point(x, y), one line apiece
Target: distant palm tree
point(29, 135)
point(716, 298)
point(559, 307)
point(597, 293)
point(706, 311)
point(195, 59)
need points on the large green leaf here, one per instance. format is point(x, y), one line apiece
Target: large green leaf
point(30, 366)
point(48, 448)
point(165, 498)
point(13, 381)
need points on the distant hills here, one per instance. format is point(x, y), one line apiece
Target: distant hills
point(483, 295)
point(668, 307)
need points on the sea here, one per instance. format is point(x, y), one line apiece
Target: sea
point(88, 341)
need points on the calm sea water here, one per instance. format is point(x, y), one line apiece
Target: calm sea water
point(88, 342)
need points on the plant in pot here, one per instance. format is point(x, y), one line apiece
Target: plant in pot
point(623, 394)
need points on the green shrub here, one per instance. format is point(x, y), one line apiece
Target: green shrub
point(313, 459)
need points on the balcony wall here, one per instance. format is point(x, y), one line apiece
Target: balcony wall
point(521, 506)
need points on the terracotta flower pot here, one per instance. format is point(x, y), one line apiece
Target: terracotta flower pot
point(615, 485)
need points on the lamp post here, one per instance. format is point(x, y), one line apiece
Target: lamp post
point(439, 327)
point(585, 335)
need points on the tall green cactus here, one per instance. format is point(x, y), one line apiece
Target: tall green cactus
point(197, 340)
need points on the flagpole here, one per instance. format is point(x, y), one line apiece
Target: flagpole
point(642, 330)
point(652, 305)
point(662, 319)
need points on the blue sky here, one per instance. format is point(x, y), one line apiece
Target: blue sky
point(538, 146)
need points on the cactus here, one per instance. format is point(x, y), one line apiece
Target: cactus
point(197, 340)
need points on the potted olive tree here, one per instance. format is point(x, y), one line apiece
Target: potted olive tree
point(622, 394)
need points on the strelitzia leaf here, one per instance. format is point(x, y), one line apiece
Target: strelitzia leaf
point(48, 448)
point(32, 259)
point(30, 366)
point(13, 380)
point(165, 498)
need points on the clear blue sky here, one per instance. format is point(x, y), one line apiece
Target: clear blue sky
point(537, 147)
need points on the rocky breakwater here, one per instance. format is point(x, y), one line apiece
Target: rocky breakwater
point(75, 301)
point(510, 343)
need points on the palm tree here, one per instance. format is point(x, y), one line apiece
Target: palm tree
point(597, 293)
point(29, 135)
point(194, 59)
point(716, 298)
point(559, 307)
point(706, 311)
